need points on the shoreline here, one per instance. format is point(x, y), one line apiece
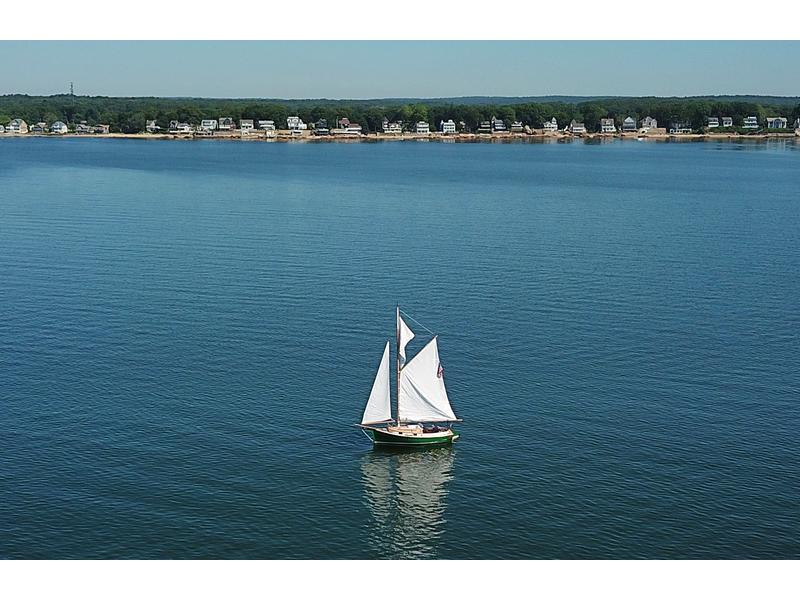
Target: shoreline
point(284, 136)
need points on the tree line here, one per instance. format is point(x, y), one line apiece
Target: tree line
point(129, 115)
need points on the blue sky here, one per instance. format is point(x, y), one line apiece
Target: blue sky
point(399, 69)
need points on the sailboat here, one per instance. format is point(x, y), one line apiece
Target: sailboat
point(423, 411)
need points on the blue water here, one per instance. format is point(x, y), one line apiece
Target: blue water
point(189, 330)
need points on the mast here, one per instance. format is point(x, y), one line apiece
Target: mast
point(397, 380)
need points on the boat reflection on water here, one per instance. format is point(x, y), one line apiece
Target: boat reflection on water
point(406, 492)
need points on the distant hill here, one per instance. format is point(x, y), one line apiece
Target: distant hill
point(512, 100)
point(457, 100)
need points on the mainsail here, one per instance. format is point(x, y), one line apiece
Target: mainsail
point(378, 406)
point(422, 395)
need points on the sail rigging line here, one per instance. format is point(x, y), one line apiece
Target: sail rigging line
point(404, 313)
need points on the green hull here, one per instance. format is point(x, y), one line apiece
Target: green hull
point(384, 438)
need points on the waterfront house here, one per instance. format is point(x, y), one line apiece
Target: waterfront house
point(777, 123)
point(550, 126)
point(607, 126)
point(151, 126)
point(629, 125)
point(40, 127)
point(796, 123)
point(577, 128)
point(485, 127)
point(246, 125)
point(208, 124)
point(266, 125)
point(179, 127)
point(59, 127)
point(517, 127)
point(498, 126)
point(321, 128)
point(727, 121)
point(101, 129)
point(649, 123)
point(422, 128)
point(83, 128)
point(680, 127)
point(448, 126)
point(2, 128)
point(712, 122)
point(226, 124)
point(395, 128)
point(750, 123)
point(347, 128)
point(17, 126)
point(295, 123)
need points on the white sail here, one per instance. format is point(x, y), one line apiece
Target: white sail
point(404, 335)
point(423, 396)
point(378, 407)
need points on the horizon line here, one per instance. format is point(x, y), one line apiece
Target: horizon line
point(425, 98)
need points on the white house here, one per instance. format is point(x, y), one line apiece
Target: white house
point(266, 125)
point(448, 126)
point(498, 126)
point(797, 123)
point(629, 124)
point(151, 126)
point(2, 128)
point(394, 128)
point(727, 121)
point(208, 124)
point(607, 126)
point(485, 127)
point(295, 123)
point(17, 126)
point(179, 127)
point(577, 128)
point(347, 128)
point(226, 124)
point(680, 127)
point(517, 127)
point(550, 126)
point(246, 125)
point(422, 127)
point(712, 122)
point(777, 122)
point(750, 123)
point(649, 123)
point(59, 127)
